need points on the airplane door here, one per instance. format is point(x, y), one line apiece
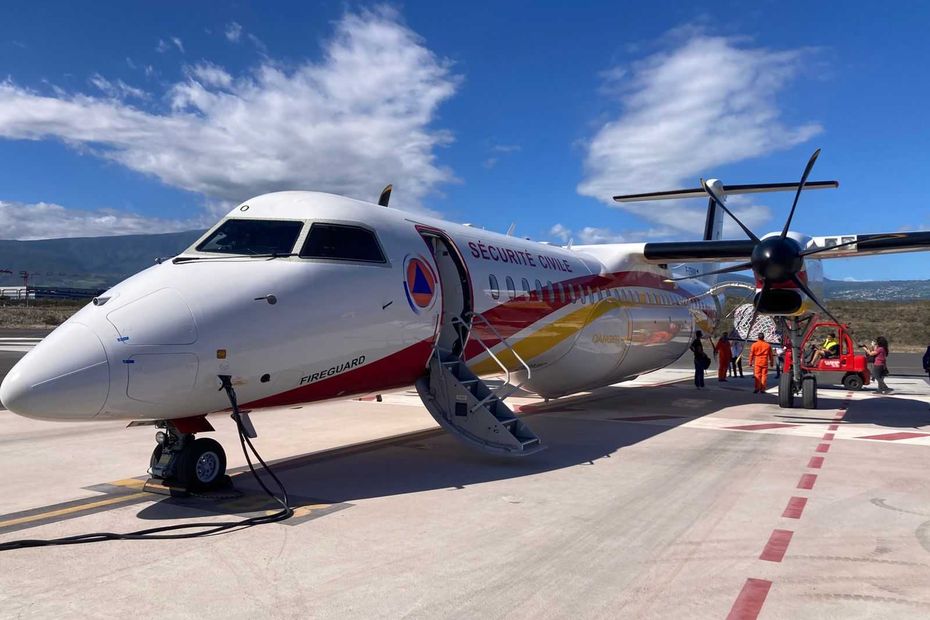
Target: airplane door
point(456, 294)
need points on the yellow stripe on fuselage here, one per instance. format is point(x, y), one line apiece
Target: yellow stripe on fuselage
point(544, 338)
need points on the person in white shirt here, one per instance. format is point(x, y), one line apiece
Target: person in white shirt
point(736, 347)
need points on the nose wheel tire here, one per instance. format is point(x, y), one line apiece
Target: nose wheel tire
point(202, 464)
point(809, 392)
point(785, 390)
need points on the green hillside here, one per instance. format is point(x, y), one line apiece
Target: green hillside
point(87, 262)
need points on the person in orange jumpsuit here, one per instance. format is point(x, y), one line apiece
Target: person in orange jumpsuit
point(723, 354)
point(760, 358)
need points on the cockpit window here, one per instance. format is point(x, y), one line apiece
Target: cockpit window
point(342, 242)
point(253, 237)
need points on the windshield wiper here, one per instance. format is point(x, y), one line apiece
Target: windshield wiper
point(271, 255)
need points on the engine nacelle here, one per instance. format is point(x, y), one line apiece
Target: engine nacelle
point(780, 301)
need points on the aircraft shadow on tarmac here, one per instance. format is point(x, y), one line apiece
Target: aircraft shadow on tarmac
point(578, 430)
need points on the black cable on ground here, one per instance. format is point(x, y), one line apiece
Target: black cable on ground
point(206, 529)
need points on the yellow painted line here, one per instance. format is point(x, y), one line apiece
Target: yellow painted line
point(129, 483)
point(303, 511)
point(73, 509)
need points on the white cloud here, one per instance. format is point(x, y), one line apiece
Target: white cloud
point(497, 151)
point(505, 148)
point(349, 123)
point(163, 46)
point(684, 112)
point(210, 74)
point(116, 90)
point(51, 221)
point(233, 32)
point(590, 235)
point(560, 232)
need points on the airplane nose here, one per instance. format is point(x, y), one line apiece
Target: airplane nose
point(66, 376)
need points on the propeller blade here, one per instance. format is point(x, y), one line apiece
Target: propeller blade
point(839, 245)
point(807, 171)
point(719, 201)
point(807, 291)
point(740, 267)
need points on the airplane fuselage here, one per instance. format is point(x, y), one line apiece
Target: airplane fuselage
point(317, 322)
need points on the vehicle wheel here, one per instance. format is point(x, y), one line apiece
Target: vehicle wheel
point(852, 382)
point(785, 391)
point(809, 392)
point(202, 464)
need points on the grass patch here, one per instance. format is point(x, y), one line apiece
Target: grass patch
point(37, 314)
point(906, 324)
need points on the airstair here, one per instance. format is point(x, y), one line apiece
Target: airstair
point(468, 408)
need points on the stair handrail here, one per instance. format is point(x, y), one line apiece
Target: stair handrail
point(492, 394)
point(508, 387)
point(473, 315)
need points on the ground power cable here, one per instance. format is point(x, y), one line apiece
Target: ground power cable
point(176, 532)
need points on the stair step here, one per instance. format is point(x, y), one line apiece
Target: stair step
point(451, 393)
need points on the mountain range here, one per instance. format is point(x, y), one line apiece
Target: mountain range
point(87, 262)
point(99, 262)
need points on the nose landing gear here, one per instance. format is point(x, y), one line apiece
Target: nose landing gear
point(181, 460)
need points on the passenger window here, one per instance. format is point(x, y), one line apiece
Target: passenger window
point(511, 290)
point(342, 242)
point(561, 292)
point(253, 237)
point(526, 287)
point(539, 291)
point(589, 293)
point(495, 290)
point(550, 291)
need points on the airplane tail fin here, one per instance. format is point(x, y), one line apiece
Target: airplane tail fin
point(713, 230)
point(713, 225)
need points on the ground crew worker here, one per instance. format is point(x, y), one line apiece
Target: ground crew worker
point(829, 348)
point(723, 355)
point(698, 349)
point(736, 348)
point(760, 358)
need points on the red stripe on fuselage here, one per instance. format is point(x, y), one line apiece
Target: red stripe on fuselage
point(404, 367)
point(394, 371)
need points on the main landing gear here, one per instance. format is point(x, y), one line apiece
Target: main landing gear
point(794, 380)
point(181, 460)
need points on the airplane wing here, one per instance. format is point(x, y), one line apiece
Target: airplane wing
point(844, 246)
point(830, 246)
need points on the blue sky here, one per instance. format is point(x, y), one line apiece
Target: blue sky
point(129, 117)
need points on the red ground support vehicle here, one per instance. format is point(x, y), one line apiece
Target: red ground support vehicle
point(849, 368)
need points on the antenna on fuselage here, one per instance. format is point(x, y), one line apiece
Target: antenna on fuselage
point(385, 195)
point(513, 227)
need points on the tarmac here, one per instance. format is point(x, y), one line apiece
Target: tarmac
point(653, 500)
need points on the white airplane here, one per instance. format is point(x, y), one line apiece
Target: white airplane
point(298, 297)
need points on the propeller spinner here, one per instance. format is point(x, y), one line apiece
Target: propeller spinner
point(777, 259)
